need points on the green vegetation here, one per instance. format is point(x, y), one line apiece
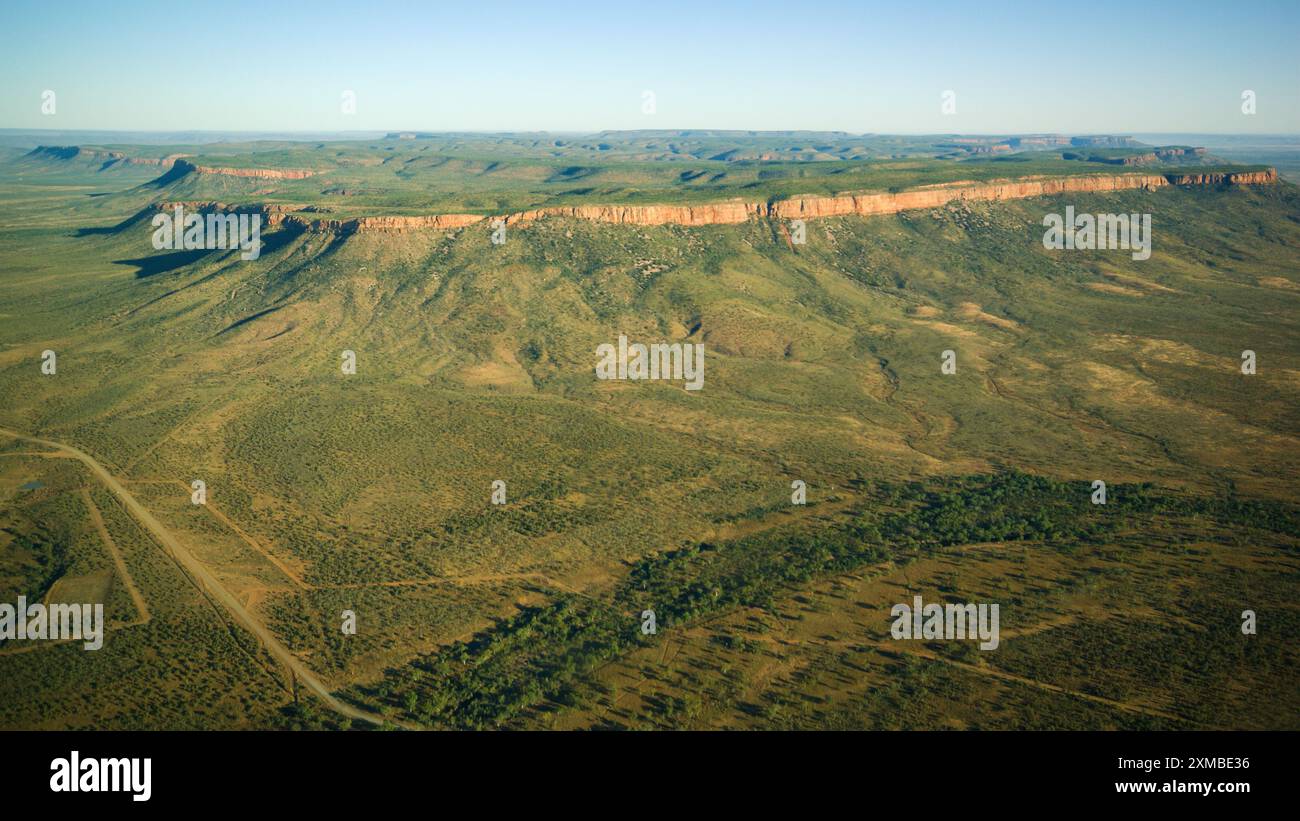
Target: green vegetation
point(544, 656)
point(371, 492)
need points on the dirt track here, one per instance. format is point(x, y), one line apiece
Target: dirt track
point(204, 579)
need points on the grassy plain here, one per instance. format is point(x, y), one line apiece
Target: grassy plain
point(371, 492)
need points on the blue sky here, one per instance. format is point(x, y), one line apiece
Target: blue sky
point(1014, 67)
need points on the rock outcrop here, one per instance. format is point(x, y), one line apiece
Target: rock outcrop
point(416, 223)
point(1221, 178)
point(252, 173)
point(273, 214)
point(1160, 155)
point(939, 195)
point(165, 162)
point(719, 213)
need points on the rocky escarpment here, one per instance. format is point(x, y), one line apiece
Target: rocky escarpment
point(932, 196)
point(719, 213)
point(272, 213)
point(1162, 155)
point(431, 221)
point(165, 162)
point(185, 166)
point(733, 212)
point(1220, 178)
point(938, 195)
point(293, 216)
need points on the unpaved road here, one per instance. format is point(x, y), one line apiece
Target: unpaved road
point(204, 579)
point(141, 609)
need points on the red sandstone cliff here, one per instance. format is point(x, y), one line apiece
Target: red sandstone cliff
point(254, 173)
point(435, 221)
point(1235, 178)
point(884, 203)
point(737, 211)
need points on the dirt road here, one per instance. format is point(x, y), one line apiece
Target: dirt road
point(204, 579)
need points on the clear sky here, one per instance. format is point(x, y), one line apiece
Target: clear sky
point(1100, 66)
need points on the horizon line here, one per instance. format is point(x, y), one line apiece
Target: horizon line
point(306, 131)
point(1088, 132)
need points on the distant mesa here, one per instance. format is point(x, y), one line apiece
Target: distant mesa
point(107, 158)
point(177, 165)
point(56, 152)
point(1039, 141)
point(1123, 150)
point(1105, 141)
point(1160, 156)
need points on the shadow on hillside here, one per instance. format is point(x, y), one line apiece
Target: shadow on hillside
point(162, 263)
point(177, 171)
point(135, 219)
point(239, 323)
point(275, 240)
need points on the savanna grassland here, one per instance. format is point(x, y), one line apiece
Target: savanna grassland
point(371, 492)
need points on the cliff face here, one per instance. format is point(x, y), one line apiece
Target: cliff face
point(347, 226)
point(936, 196)
point(253, 173)
point(165, 162)
point(272, 214)
point(1159, 155)
point(722, 213)
point(884, 203)
point(1236, 178)
point(733, 212)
